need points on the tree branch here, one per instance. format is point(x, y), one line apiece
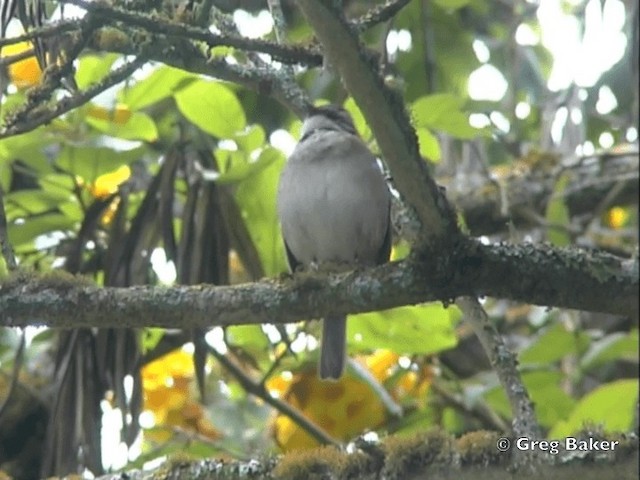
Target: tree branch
point(32, 115)
point(503, 361)
point(591, 181)
point(539, 274)
point(159, 25)
point(260, 391)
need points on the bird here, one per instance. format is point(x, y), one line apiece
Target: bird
point(334, 204)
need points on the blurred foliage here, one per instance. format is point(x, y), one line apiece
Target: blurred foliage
point(164, 153)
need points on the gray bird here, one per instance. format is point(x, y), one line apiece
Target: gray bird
point(333, 204)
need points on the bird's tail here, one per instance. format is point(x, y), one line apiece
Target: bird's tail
point(332, 353)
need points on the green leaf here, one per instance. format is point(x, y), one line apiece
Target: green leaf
point(23, 233)
point(429, 145)
point(256, 197)
point(151, 337)
point(31, 202)
point(443, 112)
point(211, 106)
point(250, 337)
point(422, 329)
point(93, 68)
point(616, 346)
point(162, 83)
point(28, 148)
point(251, 138)
point(554, 344)
point(557, 214)
point(236, 166)
point(91, 162)
point(139, 126)
point(611, 405)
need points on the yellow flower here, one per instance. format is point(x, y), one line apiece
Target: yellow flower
point(167, 395)
point(24, 73)
point(343, 409)
point(108, 183)
point(617, 217)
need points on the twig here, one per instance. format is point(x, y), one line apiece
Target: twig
point(503, 361)
point(46, 31)
point(379, 14)
point(480, 411)
point(5, 245)
point(261, 392)
point(288, 76)
point(30, 118)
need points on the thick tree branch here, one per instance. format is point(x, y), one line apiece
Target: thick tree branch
point(157, 24)
point(538, 274)
point(529, 189)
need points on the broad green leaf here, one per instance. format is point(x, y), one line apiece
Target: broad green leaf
point(251, 138)
point(31, 202)
point(58, 183)
point(21, 233)
point(256, 197)
point(552, 403)
point(612, 406)
point(422, 329)
point(28, 148)
point(91, 162)
point(554, 344)
point(616, 346)
point(162, 83)
point(93, 68)
point(211, 106)
point(429, 145)
point(139, 126)
point(443, 112)
point(236, 166)
point(250, 337)
point(557, 214)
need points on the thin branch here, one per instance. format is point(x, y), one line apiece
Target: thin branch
point(31, 117)
point(504, 363)
point(45, 31)
point(480, 411)
point(379, 14)
point(259, 390)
